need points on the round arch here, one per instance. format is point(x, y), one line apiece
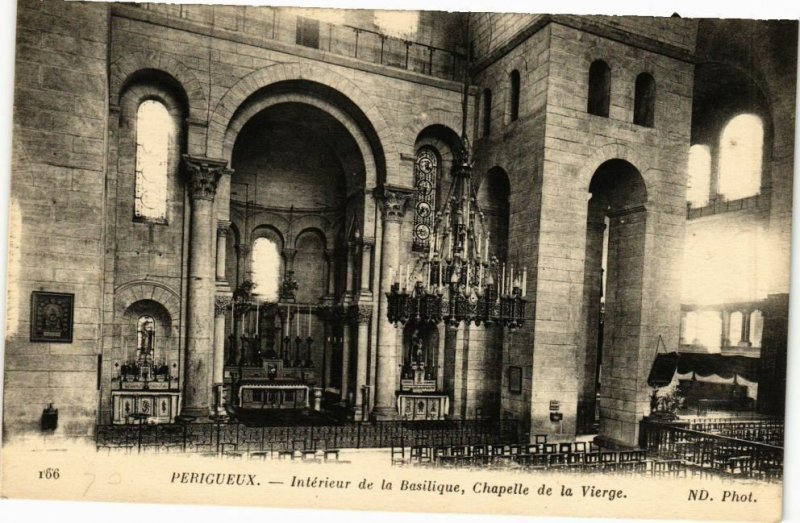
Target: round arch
point(224, 112)
point(129, 293)
point(271, 100)
point(130, 65)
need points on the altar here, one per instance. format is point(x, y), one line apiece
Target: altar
point(260, 394)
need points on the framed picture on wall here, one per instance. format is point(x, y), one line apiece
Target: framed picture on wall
point(515, 380)
point(51, 316)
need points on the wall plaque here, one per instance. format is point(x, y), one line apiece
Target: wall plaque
point(51, 316)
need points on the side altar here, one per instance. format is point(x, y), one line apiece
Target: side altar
point(419, 397)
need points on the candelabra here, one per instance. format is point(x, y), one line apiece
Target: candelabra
point(457, 280)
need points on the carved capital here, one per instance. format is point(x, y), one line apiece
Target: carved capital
point(203, 174)
point(393, 202)
point(361, 312)
point(243, 249)
point(223, 226)
point(368, 242)
point(222, 304)
point(288, 254)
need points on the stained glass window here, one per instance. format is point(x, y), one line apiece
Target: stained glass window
point(426, 175)
point(154, 130)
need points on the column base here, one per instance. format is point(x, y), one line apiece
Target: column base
point(197, 412)
point(383, 413)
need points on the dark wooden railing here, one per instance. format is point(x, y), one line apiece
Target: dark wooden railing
point(769, 431)
point(222, 438)
point(715, 452)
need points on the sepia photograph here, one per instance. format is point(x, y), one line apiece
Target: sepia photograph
point(429, 261)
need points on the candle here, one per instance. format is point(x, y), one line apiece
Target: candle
point(309, 321)
point(486, 248)
point(257, 305)
point(524, 281)
point(503, 281)
point(440, 272)
point(511, 280)
point(297, 320)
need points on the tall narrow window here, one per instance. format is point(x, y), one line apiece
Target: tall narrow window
point(487, 111)
point(644, 103)
point(154, 130)
point(426, 175)
point(599, 88)
point(266, 260)
point(699, 184)
point(740, 156)
point(514, 95)
point(307, 32)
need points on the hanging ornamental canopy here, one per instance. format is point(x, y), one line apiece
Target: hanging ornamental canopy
point(455, 280)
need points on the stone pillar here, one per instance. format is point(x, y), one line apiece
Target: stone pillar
point(725, 317)
point(393, 207)
point(242, 262)
point(329, 259)
point(222, 233)
point(745, 338)
point(347, 336)
point(289, 285)
point(366, 259)
point(202, 177)
point(440, 357)
point(363, 313)
point(222, 304)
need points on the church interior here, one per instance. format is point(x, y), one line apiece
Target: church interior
point(527, 230)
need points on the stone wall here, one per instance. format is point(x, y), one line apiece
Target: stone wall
point(57, 204)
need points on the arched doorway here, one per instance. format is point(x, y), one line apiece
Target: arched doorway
point(299, 174)
point(614, 269)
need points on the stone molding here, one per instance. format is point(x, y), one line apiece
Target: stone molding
point(203, 175)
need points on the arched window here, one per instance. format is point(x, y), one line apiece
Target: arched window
point(146, 338)
point(426, 176)
point(266, 265)
point(599, 88)
point(487, 111)
point(740, 153)
point(514, 95)
point(699, 183)
point(154, 133)
point(644, 103)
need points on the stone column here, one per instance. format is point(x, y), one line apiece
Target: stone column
point(745, 338)
point(202, 177)
point(366, 259)
point(363, 314)
point(222, 304)
point(329, 261)
point(393, 207)
point(725, 316)
point(289, 285)
point(242, 262)
point(347, 336)
point(222, 233)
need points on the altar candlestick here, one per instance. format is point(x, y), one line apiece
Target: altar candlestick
point(503, 281)
point(524, 281)
point(511, 280)
point(486, 248)
point(297, 320)
point(391, 275)
point(309, 321)
point(257, 306)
